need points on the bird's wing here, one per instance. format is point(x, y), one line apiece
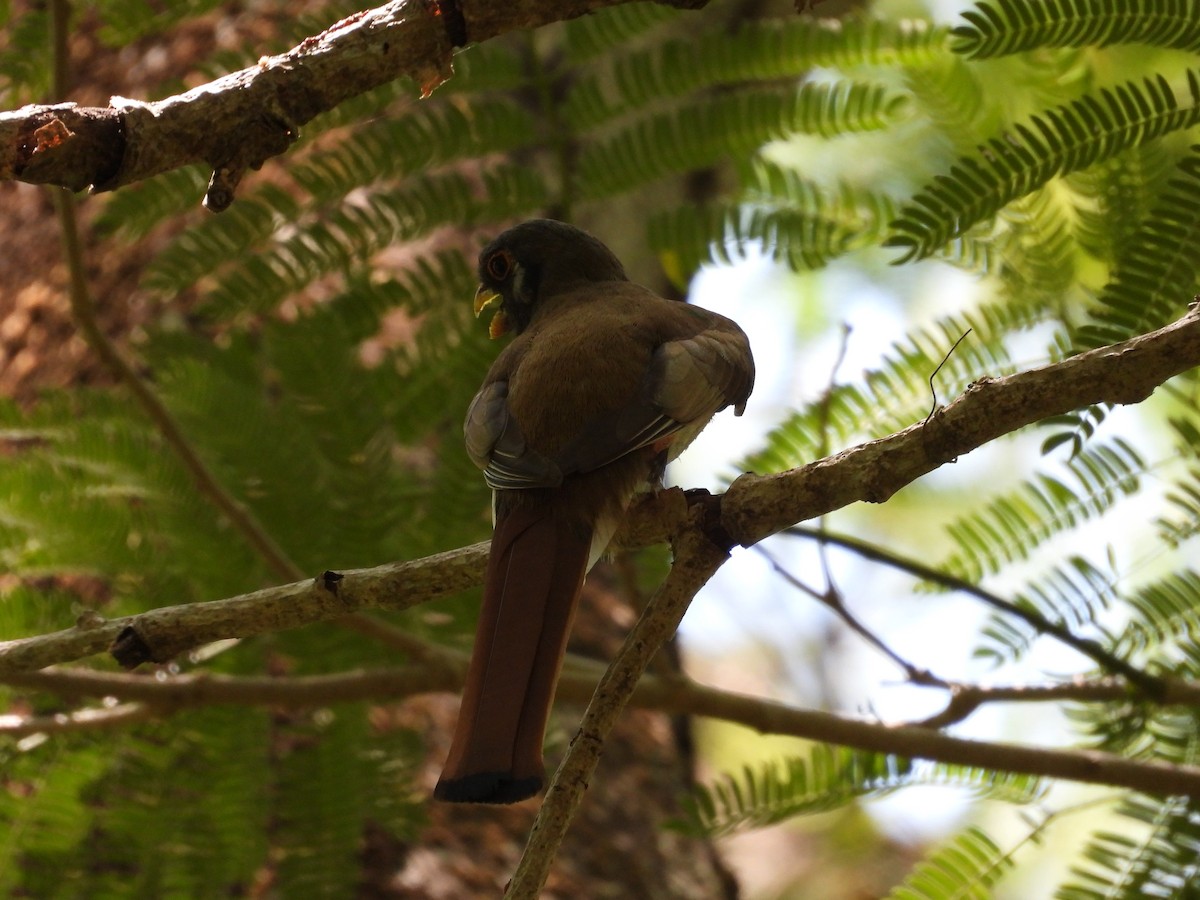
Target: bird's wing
point(495, 444)
point(687, 382)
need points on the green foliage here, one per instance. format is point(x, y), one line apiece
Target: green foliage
point(830, 778)
point(25, 71)
point(1071, 595)
point(966, 867)
point(999, 27)
point(899, 392)
point(317, 349)
point(125, 21)
point(1010, 527)
point(1161, 862)
point(1092, 129)
point(732, 124)
point(792, 219)
point(1153, 268)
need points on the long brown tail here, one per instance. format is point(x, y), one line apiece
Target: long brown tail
point(533, 580)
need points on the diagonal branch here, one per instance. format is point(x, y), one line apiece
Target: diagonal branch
point(757, 506)
point(697, 559)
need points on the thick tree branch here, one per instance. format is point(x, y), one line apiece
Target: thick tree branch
point(757, 506)
point(241, 120)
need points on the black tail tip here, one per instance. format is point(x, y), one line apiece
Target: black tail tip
point(487, 787)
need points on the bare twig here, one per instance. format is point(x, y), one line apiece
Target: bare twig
point(121, 716)
point(831, 598)
point(918, 742)
point(83, 312)
point(677, 695)
point(1145, 682)
point(933, 374)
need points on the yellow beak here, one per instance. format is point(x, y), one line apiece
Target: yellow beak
point(486, 298)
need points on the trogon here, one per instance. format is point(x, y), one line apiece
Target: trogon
point(603, 384)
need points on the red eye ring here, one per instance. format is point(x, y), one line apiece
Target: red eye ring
point(499, 264)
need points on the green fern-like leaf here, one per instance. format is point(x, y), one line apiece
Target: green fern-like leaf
point(219, 240)
point(25, 53)
point(1071, 137)
point(1183, 496)
point(1011, 526)
point(125, 21)
point(731, 125)
point(430, 135)
point(1184, 501)
point(1000, 27)
point(590, 36)
point(347, 238)
point(754, 51)
point(48, 811)
point(898, 392)
point(1159, 860)
point(1077, 428)
point(785, 216)
point(1116, 196)
point(1070, 595)
point(1156, 274)
point(952, 95)
point(829, 778)
point(133, 211)
point(1164, 613)
point(966, 867)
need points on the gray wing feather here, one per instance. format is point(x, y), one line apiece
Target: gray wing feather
point(688, 381)
point(495, 444)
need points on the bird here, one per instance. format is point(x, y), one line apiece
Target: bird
point(602, 384)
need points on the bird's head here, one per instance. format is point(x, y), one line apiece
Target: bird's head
point(535, 260)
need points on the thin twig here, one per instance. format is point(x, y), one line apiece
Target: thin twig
point(827, 395)
point(83, 311)
point(1147, 776)
point(1148, 684)
point(933, 374)
point(678, 696)
point(831, 598)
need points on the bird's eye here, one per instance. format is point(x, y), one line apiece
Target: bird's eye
point(499, 265)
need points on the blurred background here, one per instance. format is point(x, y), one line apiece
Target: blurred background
point(865, 187)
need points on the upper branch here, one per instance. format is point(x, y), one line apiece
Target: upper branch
point(241, 120)
point(757, 506)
